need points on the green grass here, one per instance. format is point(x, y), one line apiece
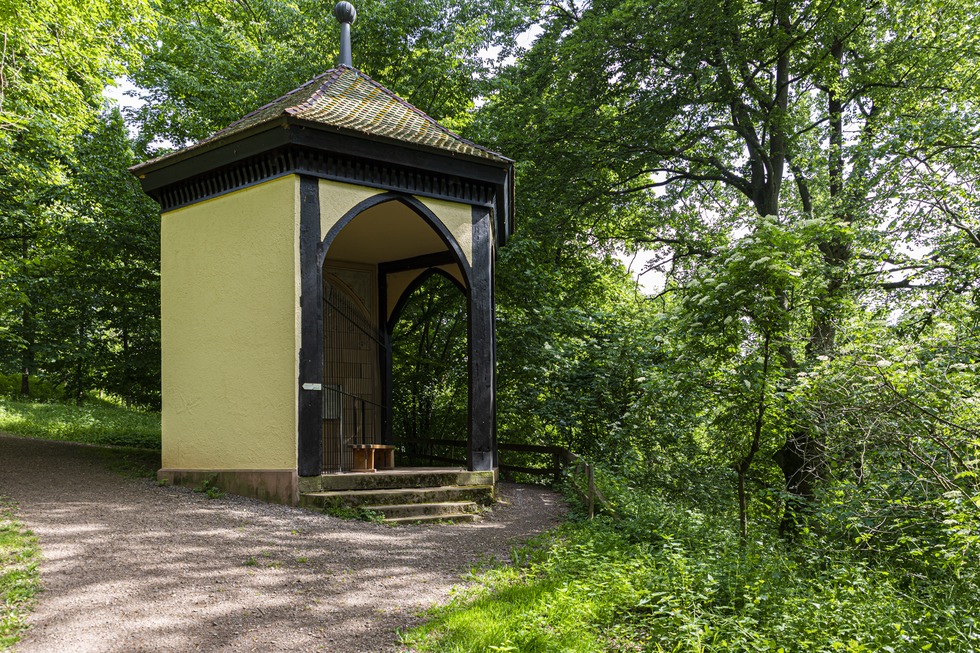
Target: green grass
point(673, 579)
point(341, 511)
point(19, 583)
point(95, 422)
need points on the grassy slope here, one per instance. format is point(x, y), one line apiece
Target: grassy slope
point(91, 423)
point(667, 579)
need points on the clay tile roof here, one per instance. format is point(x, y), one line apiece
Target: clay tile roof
point(346, 98)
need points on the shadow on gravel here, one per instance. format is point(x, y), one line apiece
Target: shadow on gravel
point(131, 566)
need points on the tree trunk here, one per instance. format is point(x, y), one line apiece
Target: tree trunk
point(27, 326)
point(743, 466)
point(802, 459)
point(802, 462)
point(27, 356)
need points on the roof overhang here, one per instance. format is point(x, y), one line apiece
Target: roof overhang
point(199, 171)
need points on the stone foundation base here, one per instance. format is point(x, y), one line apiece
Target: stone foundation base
point(273, 485)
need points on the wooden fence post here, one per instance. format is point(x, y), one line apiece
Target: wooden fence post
point(591, 479)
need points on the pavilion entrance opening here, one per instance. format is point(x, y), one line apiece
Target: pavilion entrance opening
point(430, 374)
point(393, 264)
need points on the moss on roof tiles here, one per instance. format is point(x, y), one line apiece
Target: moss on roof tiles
point(346, 98)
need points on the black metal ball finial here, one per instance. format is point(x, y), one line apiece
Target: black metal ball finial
point(344, 12)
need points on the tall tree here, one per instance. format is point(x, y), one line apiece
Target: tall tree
point(213, 62)
point(112, 293)
point(57, 56)
point(675, 125)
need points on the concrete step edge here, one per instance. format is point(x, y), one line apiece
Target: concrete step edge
point(392, 480)
point(479, 493)
point(444, 508)
point(329, 494)
point(464, 517)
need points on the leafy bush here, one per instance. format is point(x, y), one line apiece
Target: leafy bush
point(669, 579)
point(41, 389)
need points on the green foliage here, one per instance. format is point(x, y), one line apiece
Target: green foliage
point(670, 578)
point(19, 578)
point(430, 372)
point(341, 511)
point(680, 129)
point(42, 390)
point(58, 56)
point(574, 344)
point(427, 52)
point(91, 423)
point(209, 489)
point(80, 273)
point(112, 302)
point(905, 429)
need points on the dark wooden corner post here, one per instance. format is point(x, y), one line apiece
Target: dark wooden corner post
point(310, 447)
point(482, 400)
point(385, 356)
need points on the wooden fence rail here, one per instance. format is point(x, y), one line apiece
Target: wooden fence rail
point(582, 473)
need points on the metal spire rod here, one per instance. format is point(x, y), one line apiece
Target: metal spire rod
point(345, 14)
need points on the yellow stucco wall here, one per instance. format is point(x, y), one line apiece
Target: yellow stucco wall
point(458, 218)
point(230, 333)
point(337, 198)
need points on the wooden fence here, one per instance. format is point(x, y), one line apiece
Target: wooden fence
point(554, 462)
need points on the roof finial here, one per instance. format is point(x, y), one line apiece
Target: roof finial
point(345, 14)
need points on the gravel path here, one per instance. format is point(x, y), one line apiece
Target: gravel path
point(131, 566)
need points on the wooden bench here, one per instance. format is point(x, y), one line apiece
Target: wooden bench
point(372, 457)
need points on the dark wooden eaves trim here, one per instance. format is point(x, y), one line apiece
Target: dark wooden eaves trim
point(292, 146)
point(433, 260)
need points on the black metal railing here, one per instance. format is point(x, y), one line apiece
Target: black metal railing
point(353, 408)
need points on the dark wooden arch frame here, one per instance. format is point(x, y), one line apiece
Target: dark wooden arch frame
point(417, 283)
point(478, 275)
point(418, 207)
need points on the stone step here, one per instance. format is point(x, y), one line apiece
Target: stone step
point(482, 494)
point(462, 518)
point(397, 479)
point(442, 510)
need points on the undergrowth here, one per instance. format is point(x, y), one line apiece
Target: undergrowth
point(668, 578)
point(19, 583)
point(97, 423)
point(349, 512)
point(209, 489)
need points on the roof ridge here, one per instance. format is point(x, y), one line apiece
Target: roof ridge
point(272, 102)
point(333, 73)
point(423, 114)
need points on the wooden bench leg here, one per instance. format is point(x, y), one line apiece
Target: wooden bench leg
point(384, 458)
point(363, 460)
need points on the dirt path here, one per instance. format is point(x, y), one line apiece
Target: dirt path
point(130, 566)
